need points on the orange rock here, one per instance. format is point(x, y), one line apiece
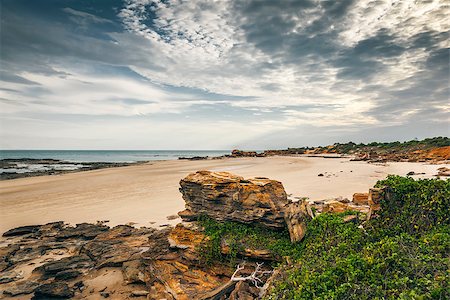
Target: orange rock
point(361, 198)
point(439, 153)
point(227, 197)
point(336, 207)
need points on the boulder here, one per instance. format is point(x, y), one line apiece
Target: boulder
point(227, 197)
point(58, 290)
point(361, 198)
point(334, 206)
point(296, 216)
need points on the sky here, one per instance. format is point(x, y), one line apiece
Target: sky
point(166, 74)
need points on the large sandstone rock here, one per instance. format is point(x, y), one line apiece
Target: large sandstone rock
point(227, 197)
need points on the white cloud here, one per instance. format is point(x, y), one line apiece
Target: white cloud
point(405, 18)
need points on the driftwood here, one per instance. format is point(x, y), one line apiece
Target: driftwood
point(228, 287)
point(253, 277)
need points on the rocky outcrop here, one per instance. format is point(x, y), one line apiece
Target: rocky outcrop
point(241, 153)
point(66, 262)
point(296, 217)
point(227, 197)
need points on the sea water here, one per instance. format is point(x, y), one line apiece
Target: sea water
point(108, 155)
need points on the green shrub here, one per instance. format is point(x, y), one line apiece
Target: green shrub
point(403, 254)
point(414, 206)
point(240, 236)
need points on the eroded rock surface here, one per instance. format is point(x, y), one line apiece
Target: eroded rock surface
point(296, 217)
point(227, 197)
point(94, 261)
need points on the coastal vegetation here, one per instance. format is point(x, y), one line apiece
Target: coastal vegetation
point(403, 253)
point(406, 146)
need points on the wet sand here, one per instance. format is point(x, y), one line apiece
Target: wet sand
point(146, 194)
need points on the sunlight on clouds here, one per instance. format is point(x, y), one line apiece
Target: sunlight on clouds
point(404, 17)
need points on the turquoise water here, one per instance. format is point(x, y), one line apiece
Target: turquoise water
point(109, 155)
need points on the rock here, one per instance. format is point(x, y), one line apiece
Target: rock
point(84, 230)
point(240, 153)
point(108, 253)
point(243, 291)
point(158, 244)
point(132, 272)
point(187, 215)
point(67, 274)
point(104, 294)
point(343, 200)
point(172, 217)
point(296, 216)
point(443, 171)
point(361, 198)
point(22, 230)
point(66, 264)
point(53, 290)
point(320, 175)
point(21, 288)
point(227, 197)
point(194, 158)
point(139, 293)
point(334, 206)
point(182, 237)
point(79, 285)
point(374, 198)
point(10, 276)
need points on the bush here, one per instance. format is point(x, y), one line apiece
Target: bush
point(404, 254)
point(414, 206)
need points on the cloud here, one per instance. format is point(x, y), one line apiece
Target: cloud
point(256, 67)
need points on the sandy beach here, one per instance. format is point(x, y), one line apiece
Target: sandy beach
point(147, 194)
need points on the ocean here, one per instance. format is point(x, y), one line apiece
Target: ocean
point(108, 155)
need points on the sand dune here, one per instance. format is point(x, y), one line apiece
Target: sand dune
point(149, 193)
